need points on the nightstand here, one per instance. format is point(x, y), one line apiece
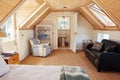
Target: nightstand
point(14, 59)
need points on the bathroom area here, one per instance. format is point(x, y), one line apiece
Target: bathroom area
point(63, 38)
point(63, 32)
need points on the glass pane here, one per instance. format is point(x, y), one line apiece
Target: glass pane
point(101, 36)
point(63, 22)
point(101, 15)
point(8, 29)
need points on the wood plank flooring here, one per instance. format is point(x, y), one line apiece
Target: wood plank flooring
point(66, 57)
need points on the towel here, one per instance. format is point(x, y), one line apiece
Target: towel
point(73, 73)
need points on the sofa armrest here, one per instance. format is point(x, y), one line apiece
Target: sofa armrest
point(112, 55)
point(110, 60)
point(89, 46)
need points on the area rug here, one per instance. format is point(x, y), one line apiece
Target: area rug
point(73, 73)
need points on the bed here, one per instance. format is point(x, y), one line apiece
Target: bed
point(32, 72)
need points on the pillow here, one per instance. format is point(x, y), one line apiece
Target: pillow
point(111, 48)
point(3, 67)
point(97, 46)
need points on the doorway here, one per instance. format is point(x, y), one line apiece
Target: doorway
point(63, 23)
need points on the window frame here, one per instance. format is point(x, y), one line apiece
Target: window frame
point(100, 36)
point(68, 18)
point(6, 29)
point(105, 27)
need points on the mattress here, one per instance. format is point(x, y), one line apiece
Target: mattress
point(31, 72)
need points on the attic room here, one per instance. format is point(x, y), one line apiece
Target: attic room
point(59, 40)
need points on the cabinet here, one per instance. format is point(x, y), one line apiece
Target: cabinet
point(14, 59)
point(44, 33)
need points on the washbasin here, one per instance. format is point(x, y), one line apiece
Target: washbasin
point(62, 35)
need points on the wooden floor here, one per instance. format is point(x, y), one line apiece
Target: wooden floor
point(66, 57)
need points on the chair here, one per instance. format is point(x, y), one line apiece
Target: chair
point(40, 49)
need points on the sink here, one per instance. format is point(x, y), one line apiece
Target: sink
point(62, 35)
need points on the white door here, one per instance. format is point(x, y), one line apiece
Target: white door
point(73, 32)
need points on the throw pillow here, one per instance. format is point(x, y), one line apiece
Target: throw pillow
point(97, 46)
point(3, 67)
point(111, 48)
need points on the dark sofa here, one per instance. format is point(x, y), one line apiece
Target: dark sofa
point(104, 60)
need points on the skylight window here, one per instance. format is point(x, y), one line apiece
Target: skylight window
point(101, 15)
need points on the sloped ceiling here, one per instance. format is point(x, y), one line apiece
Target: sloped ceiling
point(114, 16)
point(7, 7)
point(30, 13)
point(33, 11)
point(25, 11)
point(71, 5)
point(112, 7)
point(97, 25)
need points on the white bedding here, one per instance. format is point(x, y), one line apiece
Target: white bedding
point(26, 72)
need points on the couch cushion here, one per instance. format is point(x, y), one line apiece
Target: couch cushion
point(96, 53)
point(111, 48)
point(118, 50)
point(97, 46)
point(108, 43)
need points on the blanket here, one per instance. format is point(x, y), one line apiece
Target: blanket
point(32, 72)
point(73, 73)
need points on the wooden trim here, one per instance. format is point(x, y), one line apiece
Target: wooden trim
point(39, 8)
point(98, 21)
point(89, 19)
point(12, 11)
point(115, 21)
point(27, 25)
point(93, 17)
point(38, 17)
point(39, 20)
point(112, 28)
point(39, 1)
point(15, 21)
point(65, 10)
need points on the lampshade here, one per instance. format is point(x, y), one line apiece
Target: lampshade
point(2, 34)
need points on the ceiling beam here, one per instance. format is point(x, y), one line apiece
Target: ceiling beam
point(39, 20)
point(39, 1)
point(89, 19)
point(43, 12)
point(12, 11)
point(34, 18)
point(93, 17)
point(38, 9)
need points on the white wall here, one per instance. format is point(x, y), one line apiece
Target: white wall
point(22, 46)
point(51, 19)
point(84, 32)
point(23, 43)
point(7, 46)
point(114, 35)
